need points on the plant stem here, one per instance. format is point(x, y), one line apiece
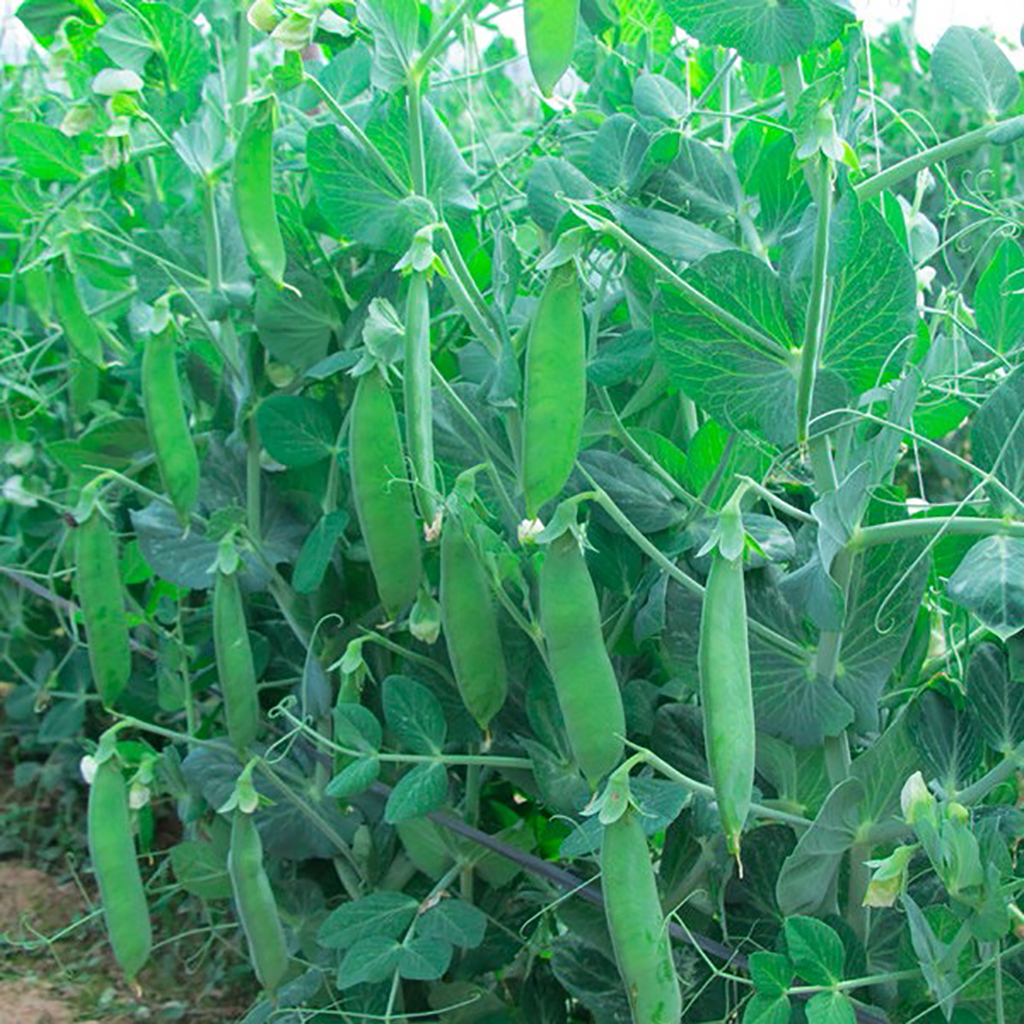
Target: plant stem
point(253, 497)
point(480, 316)
point(773, 499)
point(438, 40)
point(903, 530)
point(212, 234)
point(977, 791)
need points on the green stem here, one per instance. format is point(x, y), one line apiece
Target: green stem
point(947, 526)
point(212, 235)
point(481, 317)
point(935, 154)
point(435, 666)
point(853, 983)
point(438, 40)
point(814, 324)
point(977, 791)
point(240, 79)
point(417, 156)
point(773, 499)
point(252, 481)
point(860, 876)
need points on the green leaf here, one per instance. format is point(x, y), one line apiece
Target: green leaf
point(354, 778)
point(425, 958)
point(347, 74)
point(763, 1009)
point(696, 178)
point(550, 29)
point(455, 921)
point(670, 234)
point(296, 329)
point(370, 960)
point(830, 1008)
point(395, 27)
point(180, 45)
point(997, 436)
point(418, 792)
point(357, 728)
point(999, 298)
point(807, 882)
point(384, 914)
point(815, 949)
point(549, 178)
point(771, 973)
point(414, 715)
point(946, 738)
point(44, 152)
point(617, 154)
point(973, 69)
point(763, 30)
point(317, 550)
point(657, 96)
point(296, 431)
point(995, 700)
point(126, 42)
point(201, 870)
point(989, 583)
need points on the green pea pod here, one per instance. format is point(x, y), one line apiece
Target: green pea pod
point(79, 329)
point(643, 949)
point(235, 668)
point(383, 499)
point(556, 389)
point(166, 422)
point(470, 622)
point(98, 581)
point(254, 191)
point(550, 27)
point(112, 849)
point(255, 903)
point(585, 682)
point(725, 694)
point(419, 416)
point(83, 385)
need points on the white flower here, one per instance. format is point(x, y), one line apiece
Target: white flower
point(529, 529)
point(111, 81)
point(15, 493)
point(87, 766)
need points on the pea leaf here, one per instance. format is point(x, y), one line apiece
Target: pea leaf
point(414, 715)
point(384, 914)
point(370, 960)
point(296, 431)
point(317, 550)
point(973, 69)
point(425, 958)
point(44, 152)
point(419, 791)
point(454, 921)
point(999, 298)
point(995, 698)
point(395, 26)
point(815, 949)
point(989, 583)
point(201, 870)
point(764, 1009)
point(354, 778)
point(946, 738)
point(997, 435)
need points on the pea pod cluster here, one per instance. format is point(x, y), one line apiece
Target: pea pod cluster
point(643, 949)
point(382, 496)
point(725, 692)
point(588, 692)
point(166, 422)
point(235, 669)
point(255, 903)
point(470, 621)
point(556, 389)
point(98, 581)
point(114, 861)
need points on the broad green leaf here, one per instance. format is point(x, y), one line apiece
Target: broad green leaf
point(296, 431)
point(419, 791)
point(44, 152)
point(455, 921)
point(670, 234)
point(695, 177)
point(296, 329)
point(425, 958)
point(771, 973)
point(973, 69)
point(937, 959)
point(347, 74)
point(590, 977)
point(763, 1009)
point(617, 154)
point(201, 869)
point(180, 45)
point(797, 774)
point(620, 358)
point(550, 29)
point(947, 739)
point(989, 583)
point(354, 778)
point(549, 177)
point(763, 30)
point(414, 715)
point(657, 96)
point(317, 550)
point(807, 882)
point(815, 949)
point(997, 436)
point(999, 298)
point(357, 728)
point(647, 502)
point(395, 27)
point(830, 1008)
point(645, 21)
point(882, 770)
point(995, 699)
point(385, 914)
point(44, 17)
point(370, 960)
point(114, 444)
point(126, 42)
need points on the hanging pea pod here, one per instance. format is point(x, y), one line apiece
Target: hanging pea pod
point(725, 689)
point(98, 581)
point(585, 682)
point(636, 923)
point(556, 389)
point(254, 191)
point(419, 417)
point(254, 900)
point(83, 385)
point(79, 329)
point(550, 27)
point(235, 669)
point(382, 496)
point(112, 849)
point(470, 621)
point(167, 423)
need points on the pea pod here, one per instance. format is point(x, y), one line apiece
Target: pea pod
point(254, 191)
point(419, 417)
point(556, 389)
point(585, 682)
point(725, 694)
point(643, 949)
point(235, 669)
point(78, 327)
point(112, 849)
point(470, 623)
point(83, 385)
point(255, 903)
point(550, 27)
point(166, 422)
point(98, 581)
point(382, 497)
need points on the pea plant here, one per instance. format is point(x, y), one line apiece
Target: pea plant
point(535, 492)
